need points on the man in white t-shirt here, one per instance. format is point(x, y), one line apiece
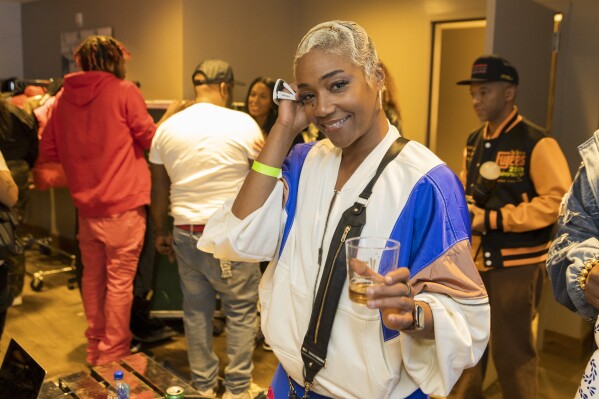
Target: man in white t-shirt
point(201, 155)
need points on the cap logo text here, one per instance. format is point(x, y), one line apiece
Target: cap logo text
point(479, 69)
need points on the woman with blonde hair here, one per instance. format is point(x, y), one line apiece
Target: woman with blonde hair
point(430, 318)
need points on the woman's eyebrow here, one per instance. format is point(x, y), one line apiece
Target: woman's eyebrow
point(323, 77)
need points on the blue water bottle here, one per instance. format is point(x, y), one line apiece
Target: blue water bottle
point(122, 388)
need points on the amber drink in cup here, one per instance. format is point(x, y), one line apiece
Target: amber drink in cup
point(369, 259)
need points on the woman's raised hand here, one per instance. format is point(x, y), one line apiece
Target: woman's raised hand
point(292, 115)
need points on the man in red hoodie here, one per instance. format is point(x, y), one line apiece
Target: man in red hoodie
point(98, 131)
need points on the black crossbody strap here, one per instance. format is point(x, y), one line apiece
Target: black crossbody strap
point(316, 340)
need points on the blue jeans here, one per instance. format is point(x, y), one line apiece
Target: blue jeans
point(201, 281)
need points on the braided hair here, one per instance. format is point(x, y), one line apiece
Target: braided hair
point(100, 53)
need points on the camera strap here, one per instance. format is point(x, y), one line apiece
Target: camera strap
point(316, 341)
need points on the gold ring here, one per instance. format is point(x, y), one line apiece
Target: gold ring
point(409, 289)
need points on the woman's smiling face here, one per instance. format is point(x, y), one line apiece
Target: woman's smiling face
point(338, 99)
point(259, 100)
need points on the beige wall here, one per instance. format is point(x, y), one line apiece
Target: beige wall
point(150, 29)
point(168, 38)
point(257, 38)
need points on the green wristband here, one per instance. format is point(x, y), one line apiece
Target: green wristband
point(266, 170)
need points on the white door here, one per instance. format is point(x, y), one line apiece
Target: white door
point(451, 118)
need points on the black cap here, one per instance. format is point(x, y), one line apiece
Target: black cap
point(491, 68)
point(214, 71)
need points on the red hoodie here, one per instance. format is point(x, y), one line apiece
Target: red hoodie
point(98, 131)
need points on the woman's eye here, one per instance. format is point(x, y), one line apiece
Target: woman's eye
point(306, 98)
point(339, 85)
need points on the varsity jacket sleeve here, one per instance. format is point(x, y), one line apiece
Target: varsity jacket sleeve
point(576, 241)
point(550, 175)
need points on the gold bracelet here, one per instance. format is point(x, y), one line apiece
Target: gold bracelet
point(584, 272)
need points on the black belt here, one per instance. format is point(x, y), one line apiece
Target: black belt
point(193, 228)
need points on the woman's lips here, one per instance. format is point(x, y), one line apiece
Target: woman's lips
point(334, 125)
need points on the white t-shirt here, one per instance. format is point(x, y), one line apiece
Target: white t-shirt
point(205, 150)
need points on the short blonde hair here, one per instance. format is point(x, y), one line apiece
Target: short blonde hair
point(341, 38)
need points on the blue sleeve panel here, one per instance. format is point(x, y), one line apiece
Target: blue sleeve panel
point(292, 169)
point(434, 219)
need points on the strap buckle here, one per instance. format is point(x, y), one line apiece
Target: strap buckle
point(312, 364)
point(360, 204)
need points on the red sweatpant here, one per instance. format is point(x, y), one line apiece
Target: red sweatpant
point(110, 248)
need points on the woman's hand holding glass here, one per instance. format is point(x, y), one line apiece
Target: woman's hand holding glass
point(394, 298)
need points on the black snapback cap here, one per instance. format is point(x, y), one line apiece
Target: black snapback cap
point(491, 68)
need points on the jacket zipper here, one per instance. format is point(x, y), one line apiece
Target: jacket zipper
point(329, 277)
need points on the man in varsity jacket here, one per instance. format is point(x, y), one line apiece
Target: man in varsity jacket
point(513, 212)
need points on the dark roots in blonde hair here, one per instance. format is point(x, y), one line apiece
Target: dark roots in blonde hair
point(100, 53)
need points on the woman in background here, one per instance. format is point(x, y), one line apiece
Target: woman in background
point(259, 104)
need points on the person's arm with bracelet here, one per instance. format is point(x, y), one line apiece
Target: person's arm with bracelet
point(575, 246)
point(265, 170)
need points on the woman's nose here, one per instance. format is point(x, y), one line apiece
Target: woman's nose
point(323, 106)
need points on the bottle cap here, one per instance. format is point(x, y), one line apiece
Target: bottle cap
point(118, 375)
